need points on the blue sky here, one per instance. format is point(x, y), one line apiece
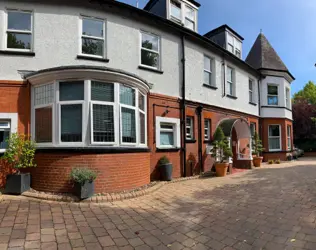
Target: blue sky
point(289, 25)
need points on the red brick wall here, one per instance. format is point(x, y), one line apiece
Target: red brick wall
point(265, 122)
point(116, 172)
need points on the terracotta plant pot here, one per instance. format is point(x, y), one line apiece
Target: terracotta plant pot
point(257, 161)
point(221, 169)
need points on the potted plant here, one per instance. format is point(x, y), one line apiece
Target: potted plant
point(83, 179)
point(257, 149)
point(20, 154)
point(221, 152)
point(165, 168)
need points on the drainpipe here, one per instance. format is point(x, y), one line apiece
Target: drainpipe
point(200, 154)
point(183, 108)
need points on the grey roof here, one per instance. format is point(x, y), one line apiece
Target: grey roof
point(150, 3)
point(263, 56)
point(222, 28)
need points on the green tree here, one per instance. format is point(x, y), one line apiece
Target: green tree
point(308, 93)
point(221, 150)
point(257, 145)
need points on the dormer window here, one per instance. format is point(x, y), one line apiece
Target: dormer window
point(183, 14)
point(233, 45)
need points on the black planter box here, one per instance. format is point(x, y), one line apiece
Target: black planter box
point(84, 191)
point(17, 183)
point(166, 172)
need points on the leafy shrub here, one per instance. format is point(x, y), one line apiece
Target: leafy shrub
point(257, 145)
point(20, 152)
point(163, 160)
point(278, 161)
point(221, 149)
point(271, 162)
point(81, 175)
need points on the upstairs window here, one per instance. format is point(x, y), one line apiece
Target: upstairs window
point(207, 129)
point(251, 93)
point(189, 128)
point(208, 71)
point(19, 30)
point(93, 37)
point(273, 97)
point(230, 81)
point(175, 10)
point(150, 50)
point(233, 45)
point(189, 21)
point(288, 98)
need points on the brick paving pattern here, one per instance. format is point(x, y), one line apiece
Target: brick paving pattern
point(269, 208)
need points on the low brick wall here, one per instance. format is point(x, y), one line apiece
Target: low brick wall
point(116, 172)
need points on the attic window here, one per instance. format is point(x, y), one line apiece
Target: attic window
point(175, 10)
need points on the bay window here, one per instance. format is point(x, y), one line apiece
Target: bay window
point(274, 137)
point(88, 112)
point(289, 141)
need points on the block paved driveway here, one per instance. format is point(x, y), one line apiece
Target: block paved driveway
point(269, 208)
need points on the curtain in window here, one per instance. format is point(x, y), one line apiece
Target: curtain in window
point(70, 91)
point(103, 123)
point(128, 125)
point(43, 125)
point(71, 123)
point(274, 143)
point(127, 95)
point(166, 138)
point(101, 91)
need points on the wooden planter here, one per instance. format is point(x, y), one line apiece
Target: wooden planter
point(221, 169)
point(257, 161)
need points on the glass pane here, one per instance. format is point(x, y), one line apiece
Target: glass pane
point(71, 123)
point(44, 94)
point(273, 100)
point(91, 27)
point(250, 84)
point(230, 48)
point(101, 91)
point(150, 59)
point(128, 125)
point(273, 90)
point(288, 131)
point(92, 46)
point(127, 95)
point(207, 63)
point(190, 13)
point(229, 74)
point(252, 129)
point(19, 20)
point(4, 136)
point(70, 91)
point(189, 24)
point(141, 101)
point(237, 53)
point(166, 139)
point(103, 123)
point(207, 78)
point(175, 9)
point(43, 125)
point(230, 88)
point(250, 96)
point(274, 130)
point(19, 41)
point(274, 143)
point(166, 126)
point(150, 42)
point(142, 128)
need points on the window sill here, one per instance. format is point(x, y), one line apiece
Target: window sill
point(17, 53)
point(84, 57)
point(92, 150)
point(232, 97)
point(276, 107)
point(190, 141)
point(252, 103)
point(209, 86)
point(150, 69)
point(167, 149)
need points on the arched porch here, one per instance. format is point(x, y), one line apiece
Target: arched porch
point(238, 132)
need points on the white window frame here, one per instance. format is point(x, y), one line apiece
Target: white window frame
point(176, 131)
point(149, 50)
point(288, 134)
point(92, 37)
point(207, 129)
point(12, 118)
point(251, 91)
point(280, 137)
point(210, 71)
point(189, 136)
point(269, 95)
point(7, 30)
point(183, 17)
point(138, 118)
point(288, 97)
point(233, 45)
point(188, 18)
point(232, 83)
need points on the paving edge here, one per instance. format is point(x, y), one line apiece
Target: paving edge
point(104, 198)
